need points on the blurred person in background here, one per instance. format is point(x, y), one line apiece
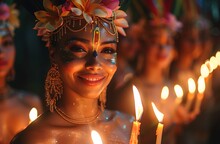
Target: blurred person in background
point(15, 105)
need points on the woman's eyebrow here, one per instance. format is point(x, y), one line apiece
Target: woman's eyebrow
point(108, 42)
point(78, 39)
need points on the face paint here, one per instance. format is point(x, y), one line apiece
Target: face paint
point(96, 40)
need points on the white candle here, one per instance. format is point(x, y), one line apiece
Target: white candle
point(159, 131)
point(200, 95)
point(138, 111)
point(191, 93)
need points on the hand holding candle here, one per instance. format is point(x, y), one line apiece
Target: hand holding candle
point(138, 110)
point(190, 96)
point(200, 95)
point(96, 138)
point(159, 116)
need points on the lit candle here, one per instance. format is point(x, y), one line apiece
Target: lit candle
point(96, 138)
point(204, 70)
point(164, 93)
point(213, 62)
point(191, 93)
point(209, 66)
point(138, 111)
point(33, 114)
point(217, 55)
point(159, 116)
point(179, 94)
point(200, 95)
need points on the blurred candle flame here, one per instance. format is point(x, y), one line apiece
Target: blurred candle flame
point(33, 114)
point(191, 85)
point(213, 62)
point(165, 93)
point(178, 90)
point(201, 84)
point(138, 103)
point(218, 57)
point(158, 114)
point(209, 66)
point(204, 70)
point(96, 138)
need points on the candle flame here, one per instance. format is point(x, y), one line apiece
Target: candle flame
point(213, 62)
point(204, 71)
point(96, 138)
point(138, 103)
point(178, 90)
point(201, 84)
point(218, 57)
point(158, 114)
point(165, 93)
point(209, 66)
point(191, 85)
point(33, 114)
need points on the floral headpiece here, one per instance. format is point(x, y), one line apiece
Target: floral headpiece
point(56, 19)
point(8, 17)
point(169, 21)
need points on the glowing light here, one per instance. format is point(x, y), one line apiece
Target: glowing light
point(213, 62)
point(178, 90)
point(96, 138)
point(201, 84)
point(158, 114)
point(191, 85)
point(165, 93)
point(204, 71)
point(33, 114)
point(138, 103)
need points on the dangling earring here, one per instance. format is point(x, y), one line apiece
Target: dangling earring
point(102, 99)
point(53, 87)
point(11, 75)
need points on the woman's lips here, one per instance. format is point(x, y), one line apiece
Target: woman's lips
point(91, 79)
point(3, 63)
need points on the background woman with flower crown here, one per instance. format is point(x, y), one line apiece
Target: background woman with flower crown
point(15, 105)
point(81, 37)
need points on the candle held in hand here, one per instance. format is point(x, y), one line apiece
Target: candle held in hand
point(159, 131)
point(138, 111)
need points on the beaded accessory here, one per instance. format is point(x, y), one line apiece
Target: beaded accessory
point(77, 15)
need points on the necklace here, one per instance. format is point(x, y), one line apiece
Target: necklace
point(85, 120)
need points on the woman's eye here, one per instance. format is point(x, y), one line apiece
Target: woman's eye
point(77, 49)
point(108, 51)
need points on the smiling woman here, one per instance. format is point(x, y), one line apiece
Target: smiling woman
point(81, 37)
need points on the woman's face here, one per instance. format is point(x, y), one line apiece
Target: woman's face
point(159, 50)
point(190, 45)
point(82, 72)
point(7, 52)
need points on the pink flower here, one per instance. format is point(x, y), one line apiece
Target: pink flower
point(4, 11)
point(67, 6)
point(111, 4)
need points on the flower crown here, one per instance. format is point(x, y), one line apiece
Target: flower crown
point(56, 17)
point(169, 21)
point(8, 17)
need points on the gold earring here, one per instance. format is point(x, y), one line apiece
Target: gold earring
point(53, 87)
point(102, 99)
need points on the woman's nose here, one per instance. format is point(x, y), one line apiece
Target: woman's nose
point(93, 63)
